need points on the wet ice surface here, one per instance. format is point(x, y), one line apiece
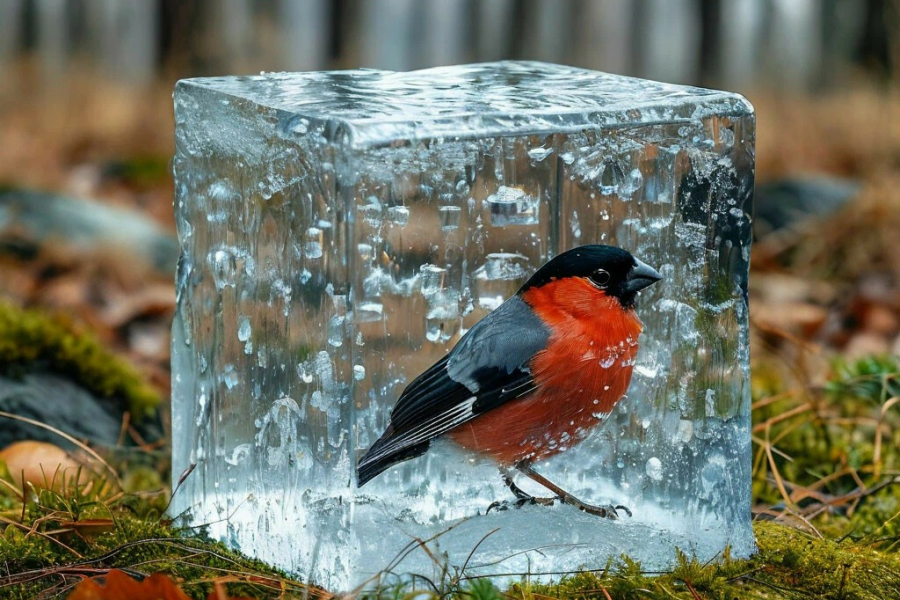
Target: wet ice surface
point(340, 231)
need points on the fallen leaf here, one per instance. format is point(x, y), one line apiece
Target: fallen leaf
point(120, 586)
point(42, 464)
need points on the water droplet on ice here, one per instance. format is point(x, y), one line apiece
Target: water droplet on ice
point(609, 358)
point(359, 372)
point(224, 268)
point(301, 126)
point(244, 328)
point(654, 469)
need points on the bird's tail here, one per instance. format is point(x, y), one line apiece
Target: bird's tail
point(374, 462)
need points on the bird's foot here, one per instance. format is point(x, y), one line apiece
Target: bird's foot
point(605, 511)
point(521, 500)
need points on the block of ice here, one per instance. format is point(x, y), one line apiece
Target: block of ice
point(341, 230)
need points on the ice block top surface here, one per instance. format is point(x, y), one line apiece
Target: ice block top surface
point(371, 107)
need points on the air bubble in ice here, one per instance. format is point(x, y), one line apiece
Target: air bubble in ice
point(441, 321)
point(301, 126)
point(398, 215)
point(359, 372)
point(726, 137)
point(372, 211)
point(513, 206)
point(450, 217)
point(224, 268)
point(654, 469)
point(319, 400)
point(575, 225)
point(712, 473)
point(364, 251)
point(313, 248)
point(230, 377)
point(506, 266)
point(239, 454)
point(368, 312)
point(710, 402)
point(336, 330)
point(685, 432)
point(432, 278)
point(498, 277)
point(611, 177)
point(538, 154)
point(631, 184)
point(682, 319)
point(567, 157)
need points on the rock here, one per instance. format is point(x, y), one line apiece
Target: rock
point(29, 219)
point(59, 403)
point(788, 202)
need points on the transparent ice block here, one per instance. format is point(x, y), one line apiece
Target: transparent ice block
point(341, 230)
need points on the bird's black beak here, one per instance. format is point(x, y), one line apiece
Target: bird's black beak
point(641, 276)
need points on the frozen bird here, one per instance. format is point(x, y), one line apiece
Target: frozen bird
point(530, 379)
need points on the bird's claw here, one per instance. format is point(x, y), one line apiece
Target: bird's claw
point(606, 511)
point(520, 502)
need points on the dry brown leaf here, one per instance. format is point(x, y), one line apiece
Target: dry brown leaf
point(120, 586)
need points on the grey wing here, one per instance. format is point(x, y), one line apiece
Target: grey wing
point(505, 340)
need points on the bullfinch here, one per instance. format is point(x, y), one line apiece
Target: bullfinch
point(531, 378)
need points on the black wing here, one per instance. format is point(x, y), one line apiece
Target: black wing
point(489, 366)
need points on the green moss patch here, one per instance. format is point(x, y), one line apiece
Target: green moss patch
point(29, 338)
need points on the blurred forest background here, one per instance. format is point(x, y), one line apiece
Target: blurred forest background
point(87, 232)
point(86, 119)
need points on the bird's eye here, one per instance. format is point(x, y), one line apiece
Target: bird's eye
point(600, 278)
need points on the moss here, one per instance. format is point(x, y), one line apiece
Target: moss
point(30, 337)
point(54, 539)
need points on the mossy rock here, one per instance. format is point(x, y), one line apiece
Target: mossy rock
point(46, 359)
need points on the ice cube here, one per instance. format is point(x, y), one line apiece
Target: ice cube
point(340, 230)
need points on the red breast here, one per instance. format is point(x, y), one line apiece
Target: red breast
point(581, 374)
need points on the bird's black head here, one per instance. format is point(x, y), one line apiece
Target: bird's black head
point(611, 269)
